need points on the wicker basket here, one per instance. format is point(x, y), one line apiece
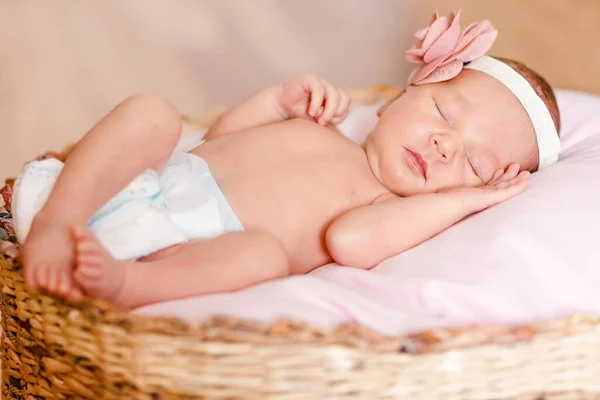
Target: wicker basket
point(56, 350)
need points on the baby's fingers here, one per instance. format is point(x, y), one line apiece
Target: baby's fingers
point(503, 183)
point(502, 191)
point(317, 94)
point(496, 176)
point(343, 109)
point(508, 189)
point(319, 112)
point(332, 101)
point(502, 176)
point(511, 172)
point(491, 194)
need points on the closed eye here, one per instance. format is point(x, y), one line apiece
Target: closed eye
point(475, 167)
point(437, 106)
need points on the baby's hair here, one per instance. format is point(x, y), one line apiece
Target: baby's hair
point(540, 85)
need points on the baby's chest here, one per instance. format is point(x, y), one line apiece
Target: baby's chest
point(301, 180)
point(299, 197)
point(278, 169)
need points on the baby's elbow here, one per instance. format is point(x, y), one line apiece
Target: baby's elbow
point(349, 247)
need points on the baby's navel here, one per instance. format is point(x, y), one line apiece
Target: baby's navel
point(353, 195)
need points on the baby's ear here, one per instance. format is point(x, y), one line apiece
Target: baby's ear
point(389, 102)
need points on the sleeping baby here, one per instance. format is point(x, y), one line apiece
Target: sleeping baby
point(275, 189)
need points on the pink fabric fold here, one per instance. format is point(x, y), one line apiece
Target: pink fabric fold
point(518, 262)
point(441, 48)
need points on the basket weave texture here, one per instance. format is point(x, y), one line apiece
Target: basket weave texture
point(52, 349)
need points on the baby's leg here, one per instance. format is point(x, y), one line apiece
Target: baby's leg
point(139, 133)
point(225, 263)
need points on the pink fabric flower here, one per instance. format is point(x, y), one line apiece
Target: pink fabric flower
point(442, 50)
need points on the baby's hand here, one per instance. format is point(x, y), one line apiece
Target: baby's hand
point(313, 98)
point(503, 186)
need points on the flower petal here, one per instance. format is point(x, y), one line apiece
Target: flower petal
point(444, 73)
point(410, 77)
point(445, 43)
point(415, 51)
point(433, 17)
point(477, 47)
point(471, 32)
point(426, 69)
point(442, 49)
point(413, 57)
point(436, 29)
point(421, 33)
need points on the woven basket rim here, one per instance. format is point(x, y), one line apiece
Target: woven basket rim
point(56, 349)
point(222, 328)
point(285, 330)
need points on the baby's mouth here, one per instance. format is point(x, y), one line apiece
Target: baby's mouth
point(418, 164)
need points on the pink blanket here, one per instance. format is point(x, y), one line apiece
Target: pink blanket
point(532, 258)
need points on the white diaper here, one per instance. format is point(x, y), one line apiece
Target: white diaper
point(153, 212)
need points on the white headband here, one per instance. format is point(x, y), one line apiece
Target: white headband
point(547, 137)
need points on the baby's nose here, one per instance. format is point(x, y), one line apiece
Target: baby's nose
point(445, 146)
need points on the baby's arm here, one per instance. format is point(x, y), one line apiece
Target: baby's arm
point(305, 97)
point(366, 236)
point(259, 109)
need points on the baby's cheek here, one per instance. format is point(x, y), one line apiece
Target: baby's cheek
point(469, 178)
point(392, 175)
point(448, 178)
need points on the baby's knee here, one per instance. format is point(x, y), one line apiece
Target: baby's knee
point(155, 115)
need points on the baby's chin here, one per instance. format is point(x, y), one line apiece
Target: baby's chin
point(406, 186)
point(403, 185)
point(408, 191)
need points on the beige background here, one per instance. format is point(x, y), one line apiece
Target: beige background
point(558, 38)
point(64, 64)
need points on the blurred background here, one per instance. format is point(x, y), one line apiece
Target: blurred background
point(64, 64)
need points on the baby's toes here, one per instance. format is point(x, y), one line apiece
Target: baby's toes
point(87, 273)
point(54, 279)
point(87, 257)
point(32, 264)
point(89, 276)
point(84, 238)
point(74, 295)
point(40, 277)
point(30, 276)
point(65, 283)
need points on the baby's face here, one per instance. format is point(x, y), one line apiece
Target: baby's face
point(450, 134)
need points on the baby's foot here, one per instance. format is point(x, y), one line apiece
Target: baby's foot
point(98, 273)
point(48, 256)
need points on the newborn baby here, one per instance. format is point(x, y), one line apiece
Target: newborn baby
point(275, 189)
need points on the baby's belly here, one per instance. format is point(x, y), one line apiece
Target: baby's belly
point(291, 184)
point(295, 203)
